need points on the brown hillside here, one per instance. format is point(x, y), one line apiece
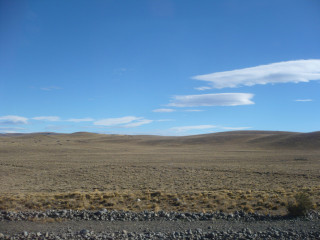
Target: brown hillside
point(249, 170)
point(245, 139)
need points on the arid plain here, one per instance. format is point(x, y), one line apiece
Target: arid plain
point(250, 170)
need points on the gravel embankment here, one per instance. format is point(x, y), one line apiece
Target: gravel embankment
point(103, 224)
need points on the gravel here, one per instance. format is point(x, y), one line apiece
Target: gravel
point(104, 224)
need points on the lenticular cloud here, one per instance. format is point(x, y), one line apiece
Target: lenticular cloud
point(217, 99)
point(281, 72)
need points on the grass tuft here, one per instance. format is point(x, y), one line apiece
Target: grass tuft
point(301, 205)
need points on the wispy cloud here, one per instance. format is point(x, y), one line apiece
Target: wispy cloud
point(303, 100)
point(165, 120)
point(76, 120)
point(116, 121)
point(183, 129)
point(50, 88)
point(12, 119)
point(164, 110)
point(47, 118)
point(138, 123)
point(281, 72)
point(126, 122)
point(11, 129)
point(190, 128)
point(218, 99)
point(203, 88)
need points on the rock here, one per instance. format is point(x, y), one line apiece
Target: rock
point(84, 232)
point(286, 231)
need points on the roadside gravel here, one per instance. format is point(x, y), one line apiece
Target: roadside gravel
point(105, 224)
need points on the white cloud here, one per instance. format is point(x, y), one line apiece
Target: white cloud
point(281, 72)
point(303, 100)
point(11, 129)
point(164, 110)
point(165, 120)
point(12, 119)
point(218, 99)
point(126, 122)
point(47, 118)
point(76, 120)
point(116, 121)
point(183, 129)
point(203, 88)
point(190, 128)
point(138, 123)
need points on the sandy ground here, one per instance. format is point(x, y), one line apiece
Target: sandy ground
point(240, 171)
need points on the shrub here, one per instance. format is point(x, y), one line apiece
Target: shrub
point(301, 206)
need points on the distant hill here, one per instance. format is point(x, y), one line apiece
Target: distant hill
point(299, 140)
point(239, 139)
point(260, 139)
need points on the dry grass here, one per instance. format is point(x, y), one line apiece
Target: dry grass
point(89, 171)
point(226, 200)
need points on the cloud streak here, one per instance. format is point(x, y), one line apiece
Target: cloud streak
point(182, 129)
point(12, 120)
point(47, 118)
point(138, 123)
point(203, 88)
point(77, 120)
point(190, 128)
point(303, 100)
point(218, 99)
point(11, 129)
point(281, 72)
point(115, 121)
point(126, 122)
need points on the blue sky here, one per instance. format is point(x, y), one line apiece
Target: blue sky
point(159, 67)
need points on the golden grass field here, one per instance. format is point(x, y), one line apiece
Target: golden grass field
point(249, 170)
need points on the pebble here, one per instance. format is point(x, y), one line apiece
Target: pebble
point(113, 215)
point(84, 232)
point(210, 233)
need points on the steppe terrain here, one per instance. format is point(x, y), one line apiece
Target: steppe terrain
point(251, 170)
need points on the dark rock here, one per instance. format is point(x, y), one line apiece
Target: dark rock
point(84, 232)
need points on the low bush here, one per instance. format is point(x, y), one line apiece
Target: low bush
point(300, 206)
